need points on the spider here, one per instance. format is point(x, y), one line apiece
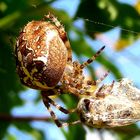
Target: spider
point(44, 62)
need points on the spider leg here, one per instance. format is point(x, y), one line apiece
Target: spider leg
point(78, 92)
point(99, 92)
point(102, 78)
point(71, 123)
point(55, 91)
point(104, 90)
point(47, 102)
point(50, 17)
point(90, 60)
point(110, 87)
point(93, 83)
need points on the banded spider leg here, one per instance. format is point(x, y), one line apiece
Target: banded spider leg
point(72, 90)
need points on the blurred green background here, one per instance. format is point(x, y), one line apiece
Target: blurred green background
point(90, 24)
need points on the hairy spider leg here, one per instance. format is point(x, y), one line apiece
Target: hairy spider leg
point(50, 17)
point(102, 78)
point(90, 60)
point(47, 102)
point(110, 87)
point(101, 93)
point(59, 90)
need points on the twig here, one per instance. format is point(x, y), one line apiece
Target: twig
point(6, 117)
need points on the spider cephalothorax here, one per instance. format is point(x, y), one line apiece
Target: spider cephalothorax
point(43, 56)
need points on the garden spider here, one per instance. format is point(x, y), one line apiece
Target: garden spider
point(44, 62)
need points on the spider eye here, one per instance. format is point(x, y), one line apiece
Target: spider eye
point(87, 104)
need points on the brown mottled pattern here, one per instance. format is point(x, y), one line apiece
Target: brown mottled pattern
point(32, 43)
point(56, 62)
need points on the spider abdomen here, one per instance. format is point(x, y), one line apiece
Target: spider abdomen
point(41, 55)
